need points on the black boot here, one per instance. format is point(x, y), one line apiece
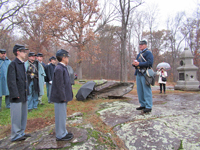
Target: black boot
point(140, 108)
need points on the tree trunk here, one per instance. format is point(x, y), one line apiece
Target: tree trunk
point(79, 65)
point(79, 70)
point(124, 60)
point(121, 69)
point(129, 56)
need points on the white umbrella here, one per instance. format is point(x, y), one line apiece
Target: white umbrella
point(164, 65)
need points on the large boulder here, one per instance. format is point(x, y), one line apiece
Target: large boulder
point(112, 89)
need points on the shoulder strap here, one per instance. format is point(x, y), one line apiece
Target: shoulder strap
point(142, 57)
point(33, 66)
point(145, 61)
point(1, 64)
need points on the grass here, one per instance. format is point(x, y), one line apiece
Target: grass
point(45, 112)
point(4, 113)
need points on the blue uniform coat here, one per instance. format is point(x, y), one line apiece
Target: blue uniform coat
point(61, 91)
point(144, 64)
point(17, 81)
point(49, 72)
point(3, 76)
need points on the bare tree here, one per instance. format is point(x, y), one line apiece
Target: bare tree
point(151, 16)
point(125, 9)
point(10, 10)
point(191, 30)
point(175, 39)
point(138, 22)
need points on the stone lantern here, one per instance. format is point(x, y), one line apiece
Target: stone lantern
point(187, 72)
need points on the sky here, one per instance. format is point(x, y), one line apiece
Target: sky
point(169, 8)
point(166, 8)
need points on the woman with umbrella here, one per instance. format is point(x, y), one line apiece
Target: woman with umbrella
point(162, 73)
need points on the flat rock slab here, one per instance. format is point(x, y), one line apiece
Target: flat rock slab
point(174, 118)
point(161, 133)
point(85, 137)
point(174, 121)
point(45, 139)
point(49, 142)
point(163, 105)
point(35, 138)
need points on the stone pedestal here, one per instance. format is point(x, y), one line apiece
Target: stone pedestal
point(187, 80)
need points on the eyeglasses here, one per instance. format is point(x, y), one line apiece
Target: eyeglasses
point(2, 52)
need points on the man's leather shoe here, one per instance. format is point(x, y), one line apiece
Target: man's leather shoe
point(20, 139)
point(146, 110)
point(140, 108)
point(27, 135)
point(68, 137)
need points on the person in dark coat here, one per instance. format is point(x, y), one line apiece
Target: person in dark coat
point(18, 88)
point(49, 75)
point(143, 90)
point(61, 93)
point(4, 63)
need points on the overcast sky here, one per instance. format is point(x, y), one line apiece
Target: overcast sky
point(172, 6)
point(169, 8)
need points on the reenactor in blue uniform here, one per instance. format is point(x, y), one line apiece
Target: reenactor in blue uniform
point(61, 93)
point(35, 75)
point(18, 89)
point(144, 91)
point(4, 63)
point(49, 75)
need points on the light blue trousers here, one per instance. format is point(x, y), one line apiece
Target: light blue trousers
point(144, 92)
point(32, 97)
point(18, 112)
point(7, 100)
point(60, 119)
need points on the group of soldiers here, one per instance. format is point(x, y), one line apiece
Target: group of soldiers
point(22, 82)
point(37, 74)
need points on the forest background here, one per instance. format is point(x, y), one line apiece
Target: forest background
point(101, 36)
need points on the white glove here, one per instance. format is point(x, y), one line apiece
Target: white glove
point(50, 82)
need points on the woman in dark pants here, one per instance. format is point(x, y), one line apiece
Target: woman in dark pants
point(162, 73)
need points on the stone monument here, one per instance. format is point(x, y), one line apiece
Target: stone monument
point(187, 71)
